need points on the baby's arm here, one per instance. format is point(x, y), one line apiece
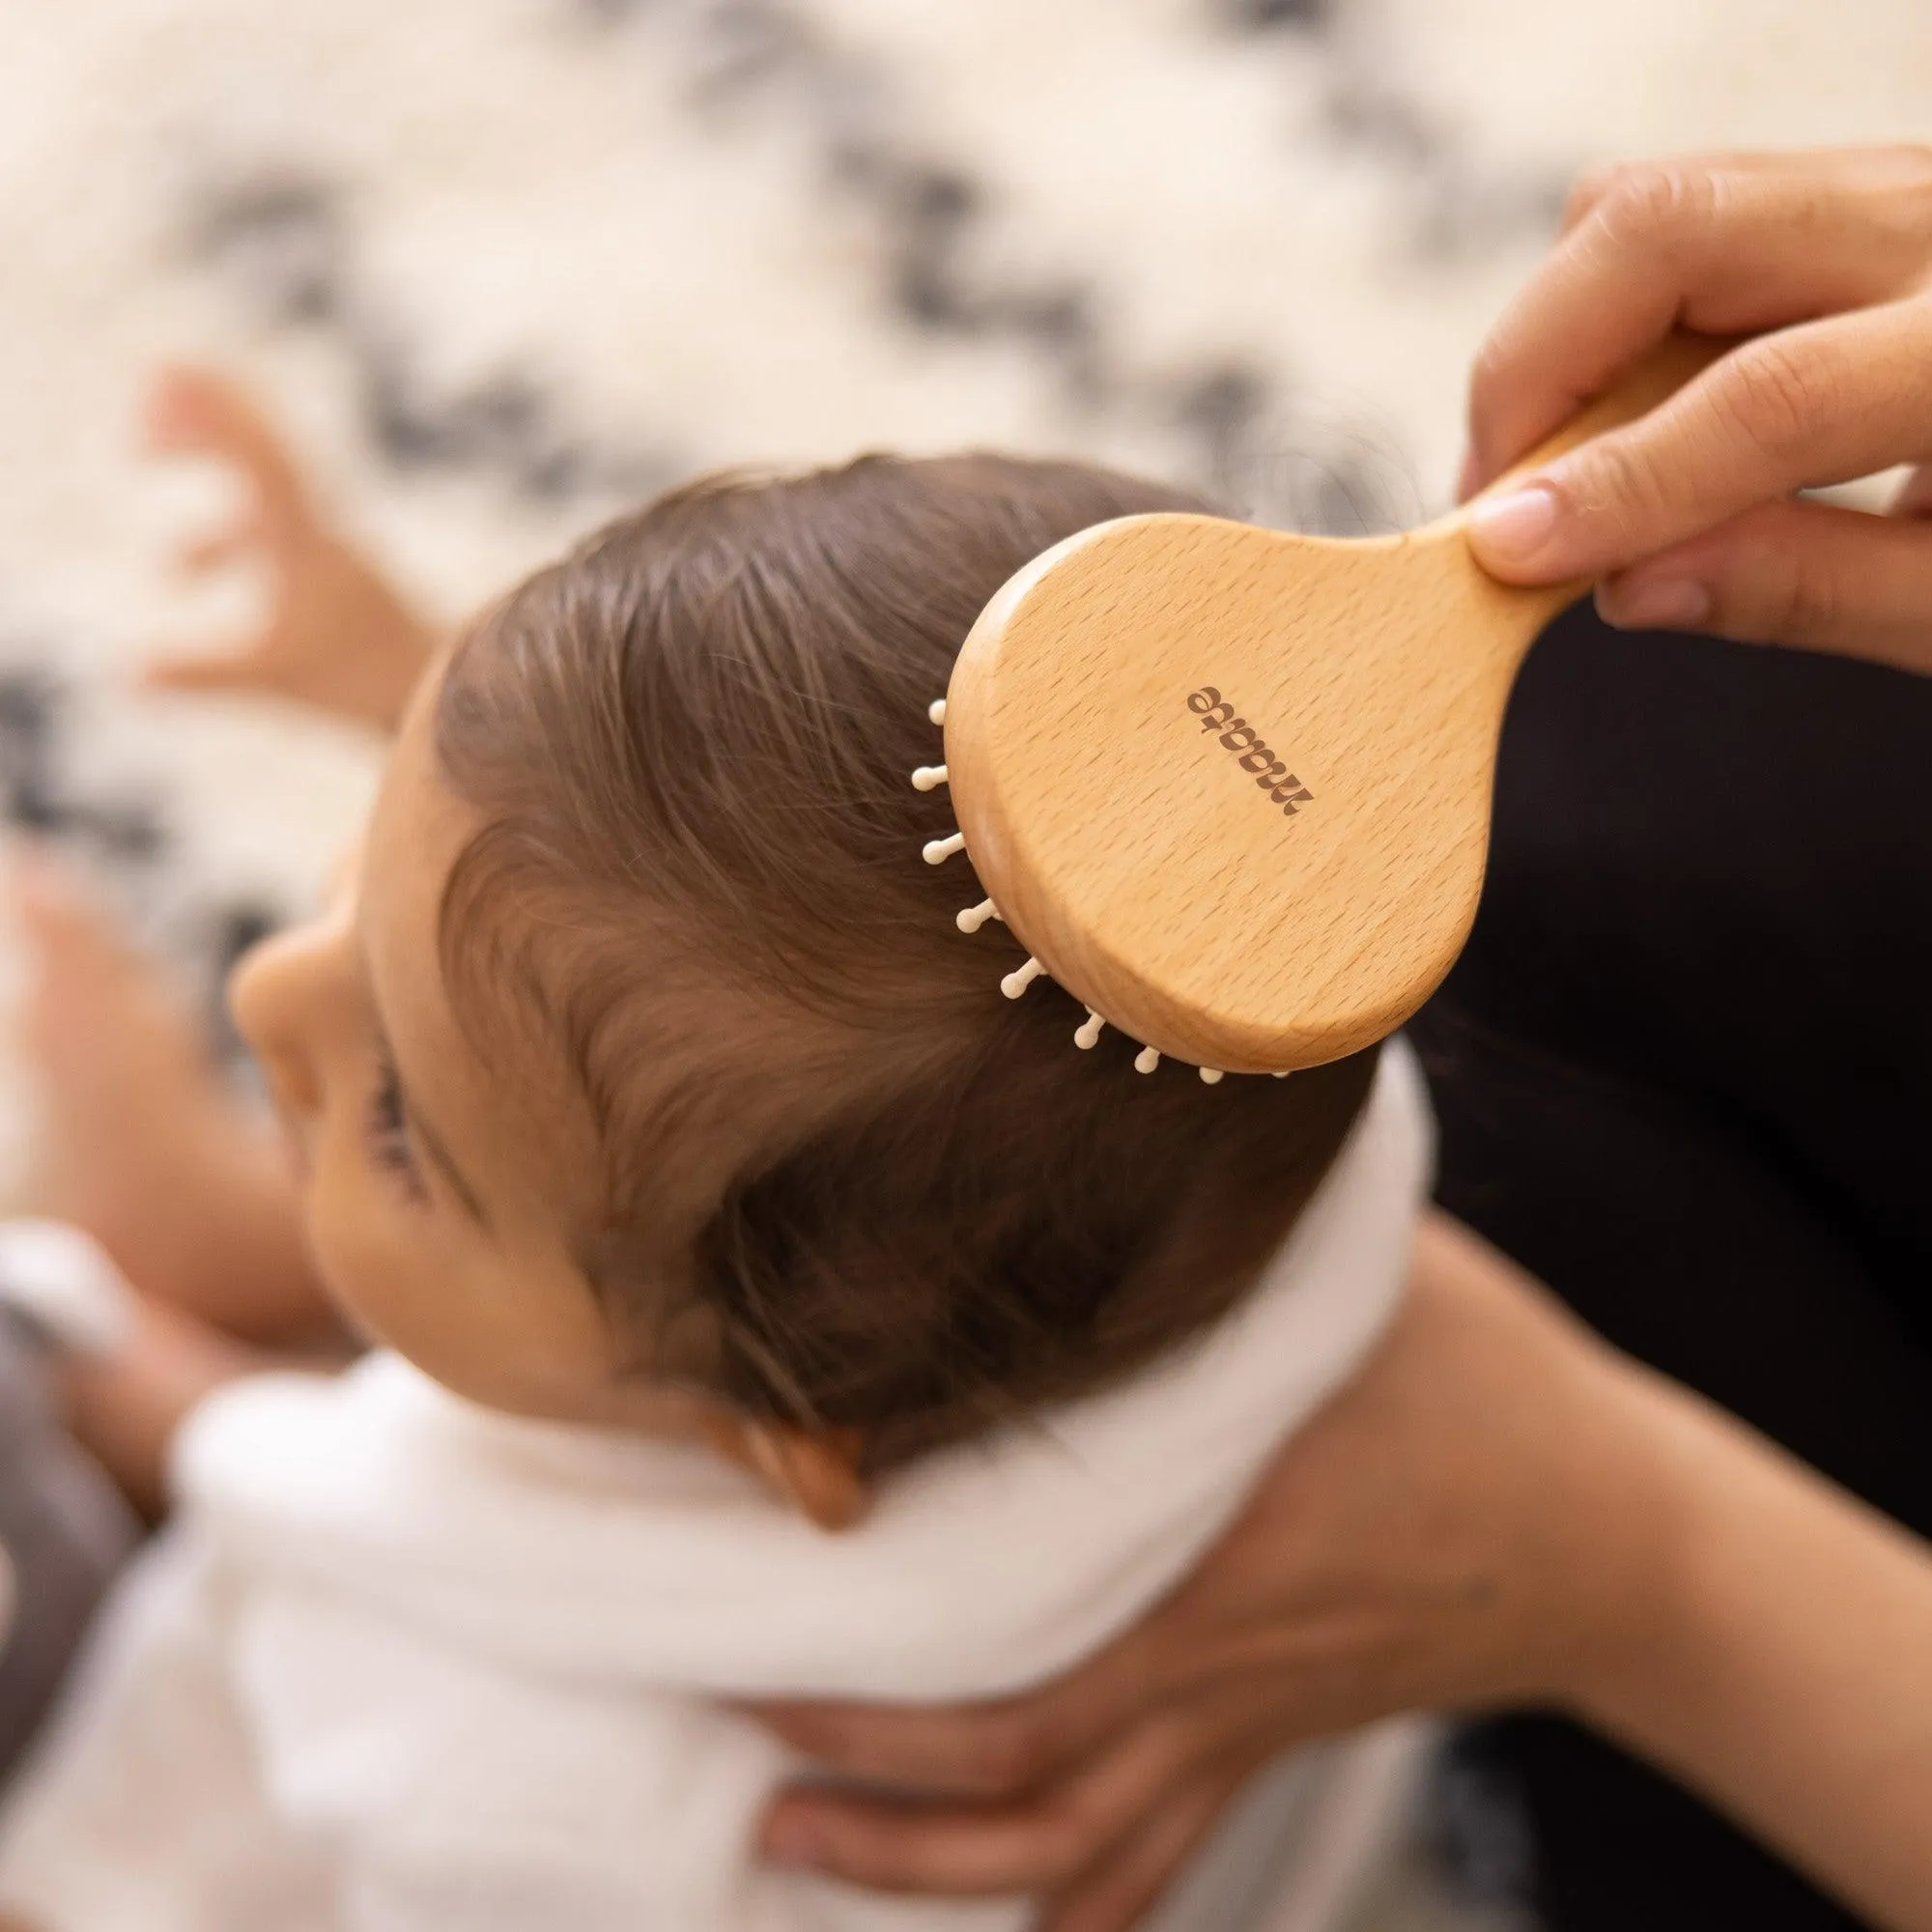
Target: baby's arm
point(139, 1140)
point(339, 636)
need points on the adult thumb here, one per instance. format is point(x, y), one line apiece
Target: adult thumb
point(1821, 402)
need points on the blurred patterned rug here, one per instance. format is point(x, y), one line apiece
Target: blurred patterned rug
point(503, 264)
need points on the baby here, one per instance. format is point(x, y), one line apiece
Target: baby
point(758, 1302)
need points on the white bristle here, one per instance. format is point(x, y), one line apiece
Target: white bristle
point(1021, 978)
point(936, 711)
point(975, 916)
point(938, 849)
point(1146, 1060)
point(1281, 1077)
point(1088, 1032)
point(927, 777)
point(1212, 1074)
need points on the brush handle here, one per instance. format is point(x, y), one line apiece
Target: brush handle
point(1654, 378)
point(1291, 884)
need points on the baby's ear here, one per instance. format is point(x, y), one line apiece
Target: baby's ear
point(817, 1474)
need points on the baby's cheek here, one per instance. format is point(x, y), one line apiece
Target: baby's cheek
point(373, 1247)
point(408, 1277)
point(359, 1251)
point(392, 1284)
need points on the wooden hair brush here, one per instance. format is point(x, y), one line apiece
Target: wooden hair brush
point(1231, 787)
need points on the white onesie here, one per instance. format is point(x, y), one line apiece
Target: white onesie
point(402, 1664)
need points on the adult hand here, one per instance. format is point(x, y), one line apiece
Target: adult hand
point(1476, 1519)
point(1690, 517)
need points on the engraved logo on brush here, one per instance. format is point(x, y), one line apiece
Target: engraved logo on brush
point(1254, 757)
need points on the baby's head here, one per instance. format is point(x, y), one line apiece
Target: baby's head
point(642, 1077)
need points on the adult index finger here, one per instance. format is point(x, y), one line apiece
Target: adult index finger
point(1819, 404)
point(1048, 1841)
point(997, 1749)
point(1716, 246)
point(1898, 163)
point(980, 1752)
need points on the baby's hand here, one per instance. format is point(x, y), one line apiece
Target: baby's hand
point(339, 635)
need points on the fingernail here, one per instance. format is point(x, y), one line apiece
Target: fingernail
point(1511, 530)
point(1655, 604)
point(789, 1840)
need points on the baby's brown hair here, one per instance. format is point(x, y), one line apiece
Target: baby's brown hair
point(698, 884)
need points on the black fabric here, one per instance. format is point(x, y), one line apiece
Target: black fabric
point(1683, 1071)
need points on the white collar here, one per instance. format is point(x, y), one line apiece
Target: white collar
point(980, 1569)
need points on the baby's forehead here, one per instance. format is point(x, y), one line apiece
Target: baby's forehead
point(632, 1071)
point(491, 1103)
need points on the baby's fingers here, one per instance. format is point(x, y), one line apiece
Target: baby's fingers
point(248, 669)
point(216, 550)
point(1801, 574)
point(192, 413)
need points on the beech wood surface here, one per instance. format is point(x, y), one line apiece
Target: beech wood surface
point(1165, 883)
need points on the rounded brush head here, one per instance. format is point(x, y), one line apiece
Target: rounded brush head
point(1231, 787)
